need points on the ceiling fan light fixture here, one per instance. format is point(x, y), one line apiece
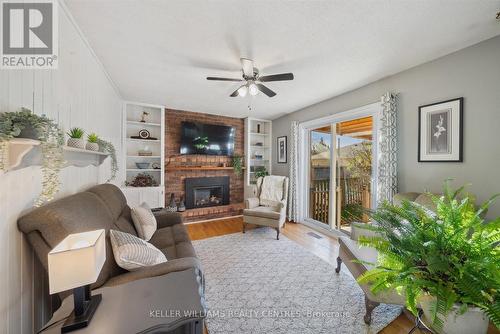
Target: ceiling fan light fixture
point(242, 91)
point(253, 89)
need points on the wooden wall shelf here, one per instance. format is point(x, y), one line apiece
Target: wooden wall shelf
point(177, 168)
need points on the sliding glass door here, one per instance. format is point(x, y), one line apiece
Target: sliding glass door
point(340, 172)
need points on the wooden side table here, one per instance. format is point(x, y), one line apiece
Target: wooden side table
point(163, 304)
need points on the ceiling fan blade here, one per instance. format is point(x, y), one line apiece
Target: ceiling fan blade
point(247, 66)
point(223, 79)
point(265, 90)
point(276, 77)
point(235, 93)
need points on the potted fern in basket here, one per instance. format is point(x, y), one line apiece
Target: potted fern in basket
point(447, 263)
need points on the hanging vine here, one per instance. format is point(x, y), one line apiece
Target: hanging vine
point(108, 147)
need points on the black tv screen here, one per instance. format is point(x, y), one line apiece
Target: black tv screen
point(199, 138)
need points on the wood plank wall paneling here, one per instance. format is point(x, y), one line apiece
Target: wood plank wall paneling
point(78, 93)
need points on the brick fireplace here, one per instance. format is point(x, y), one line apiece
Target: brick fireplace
point(181, 168)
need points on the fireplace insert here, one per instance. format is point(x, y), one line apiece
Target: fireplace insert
point(207, 191)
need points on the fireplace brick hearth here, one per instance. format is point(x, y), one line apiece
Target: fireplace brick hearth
point(175, 179)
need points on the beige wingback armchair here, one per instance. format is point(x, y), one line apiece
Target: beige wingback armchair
point(269, 207)
point(356, 258)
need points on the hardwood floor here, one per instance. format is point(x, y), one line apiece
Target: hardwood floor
point(325, 248)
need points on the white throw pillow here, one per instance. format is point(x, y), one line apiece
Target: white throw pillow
point(144, 221)
point(132, 253)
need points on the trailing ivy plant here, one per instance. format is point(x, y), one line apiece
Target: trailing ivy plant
point(452, 255)
point(237, 162)
point(108, 147)
point(25, 122)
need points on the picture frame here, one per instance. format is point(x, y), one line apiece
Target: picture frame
point(282, 149)
point(440, 131)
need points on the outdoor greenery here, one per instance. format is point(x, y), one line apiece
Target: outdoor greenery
point(352, 213)
point(359, 161)
point(452, 254)
point(26, 124)
point(237, 162)
point(92, 138)
point(107, 147)
point(76, 133)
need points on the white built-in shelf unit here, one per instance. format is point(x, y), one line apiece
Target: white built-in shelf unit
point(258, 152)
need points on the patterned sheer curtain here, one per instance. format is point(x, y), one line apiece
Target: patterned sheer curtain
point(294, 168)
point(387, 183)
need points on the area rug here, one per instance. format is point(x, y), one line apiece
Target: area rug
point(257, 284)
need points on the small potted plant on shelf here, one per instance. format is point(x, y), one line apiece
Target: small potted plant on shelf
point(76, 138)
point(92, 144)
point(445, 262)
point(260, 171)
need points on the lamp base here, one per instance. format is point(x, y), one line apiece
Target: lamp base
point(75, 322)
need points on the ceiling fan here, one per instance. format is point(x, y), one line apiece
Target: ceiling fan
point(253, 79)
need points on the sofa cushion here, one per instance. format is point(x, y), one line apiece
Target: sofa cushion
point(133, 253)
point(263, 212)
point(144, 221)
point(174, 242)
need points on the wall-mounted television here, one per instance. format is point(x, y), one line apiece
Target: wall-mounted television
point(211, 139)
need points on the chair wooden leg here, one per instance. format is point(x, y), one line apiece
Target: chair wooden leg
point(339, 263)
point(244, 227)
point(277, 233)
point(370, 306)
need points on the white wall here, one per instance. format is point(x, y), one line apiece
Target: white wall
point(473, 73)
point(78, 93)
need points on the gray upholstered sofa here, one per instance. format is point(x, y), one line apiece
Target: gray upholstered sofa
point(105, 207)
point(350, 253)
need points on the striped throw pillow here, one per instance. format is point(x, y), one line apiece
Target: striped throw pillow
point(133, 253)
point(144, 221)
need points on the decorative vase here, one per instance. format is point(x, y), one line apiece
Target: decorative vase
point(76, 143)
point(172, 206)
point(182, 206)
point(473, 321)
point(92, 146)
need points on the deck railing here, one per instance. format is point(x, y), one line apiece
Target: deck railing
point(349, 191)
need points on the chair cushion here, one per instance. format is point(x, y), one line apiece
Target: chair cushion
point(272, 190)
point(263, 212)
point(133, 253)
point(426, 201)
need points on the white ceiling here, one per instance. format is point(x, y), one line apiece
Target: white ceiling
point(161, 51)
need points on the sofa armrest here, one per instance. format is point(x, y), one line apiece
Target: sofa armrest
point(357, 230)
point(165, 219)
point(251, 203)
point(161, 269)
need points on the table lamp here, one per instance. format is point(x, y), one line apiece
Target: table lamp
point(75, 263)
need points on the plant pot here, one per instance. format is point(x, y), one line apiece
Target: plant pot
point(473, 321)
point(92, 146)
point(76, 143)
point(29, 133)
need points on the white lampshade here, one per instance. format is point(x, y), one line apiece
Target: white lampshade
point(76, 261)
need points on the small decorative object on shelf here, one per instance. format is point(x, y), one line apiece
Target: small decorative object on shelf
point(142, 165)
point(76, 138)
point(144, 134)
point(156, 165)
point(259, 144)
point(182, 206)
point(258, 156)
point(142, 180)
point(146, 152)
point(25, 124)
point(172, 206)
point(92, 144)
point(258, 127)
point(144, 116)
point(107, 147)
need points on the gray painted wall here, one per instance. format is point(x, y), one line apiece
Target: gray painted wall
point(473, 73)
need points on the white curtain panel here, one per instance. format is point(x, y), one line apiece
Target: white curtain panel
point(294, 172)
point(387, 183)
